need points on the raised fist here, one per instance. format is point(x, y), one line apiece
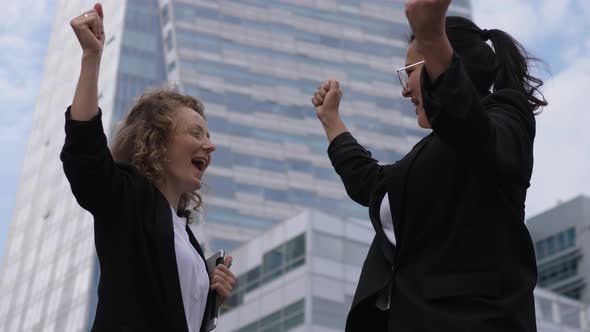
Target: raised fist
point(327, 99)
point(90, 30)
point(427, 18)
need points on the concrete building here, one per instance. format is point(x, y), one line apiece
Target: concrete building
point(562, 244)
point(301, 276)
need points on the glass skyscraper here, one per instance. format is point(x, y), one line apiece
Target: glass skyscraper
point(255, 64)
point(49, 274)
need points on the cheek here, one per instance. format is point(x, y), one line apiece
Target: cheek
point(415, 82)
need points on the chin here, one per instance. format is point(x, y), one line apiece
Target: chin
point(193, 185)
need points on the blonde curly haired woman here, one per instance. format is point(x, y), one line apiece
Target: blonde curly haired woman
point(153, 275)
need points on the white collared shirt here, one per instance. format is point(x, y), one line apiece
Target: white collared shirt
point(387, 220)
point(384, 298)
point(194, 281)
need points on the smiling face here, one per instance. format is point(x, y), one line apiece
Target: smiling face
point(413, 90)
point(188, 151)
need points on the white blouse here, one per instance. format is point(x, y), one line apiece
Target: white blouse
point(384, 299)
point(387, 220)
point(194, 280)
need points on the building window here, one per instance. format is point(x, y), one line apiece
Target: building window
point(551, 246)
point(571, 237)
point(556, 243)
point(165, 14)
point(283, 259)
point(558, 272)
point(275, 263)
point(168, 40)
point(171, 66)
point(540, 249)
point(284, 319)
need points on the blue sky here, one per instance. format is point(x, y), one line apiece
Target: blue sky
point(555, 31)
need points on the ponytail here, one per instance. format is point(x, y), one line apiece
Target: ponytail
point(512, 67)
point(506, 66)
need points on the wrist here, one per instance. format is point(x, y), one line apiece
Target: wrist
point(333, 126)
point(329, 119)
point(91, 58)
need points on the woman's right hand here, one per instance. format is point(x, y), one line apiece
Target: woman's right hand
point(89, 30)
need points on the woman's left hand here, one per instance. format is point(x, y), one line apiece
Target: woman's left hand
point(427, 18)
point(223, 280)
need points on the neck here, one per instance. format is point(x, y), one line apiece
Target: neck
point(172, 195)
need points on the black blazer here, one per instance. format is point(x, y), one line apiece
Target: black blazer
point(464, 260)
point(139, 287)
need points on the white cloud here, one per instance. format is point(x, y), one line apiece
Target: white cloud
point(562, 148)
point(508, 15)
point(561, 32)
point(25, 27)
point(534, 22)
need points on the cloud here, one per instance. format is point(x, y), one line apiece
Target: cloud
point(558, 32)
point(562, 153)
point(25, 28)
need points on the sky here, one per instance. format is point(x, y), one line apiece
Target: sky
point(558, 32)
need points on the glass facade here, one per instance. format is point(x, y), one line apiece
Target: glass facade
point(255, 66)
point(275, 263)
point(49, 276)
point(283, 319)
point(556, 243)
point(331, 251)
point(562, 246)
point(141, 63)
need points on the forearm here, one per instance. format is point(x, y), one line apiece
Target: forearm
point(438, 55)
point(85, 103)
point(359, 171)
point(333, 127)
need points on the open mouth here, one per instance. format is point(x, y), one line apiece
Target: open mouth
point(200, 163)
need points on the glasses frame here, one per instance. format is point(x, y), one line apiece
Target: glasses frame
point(403, 76)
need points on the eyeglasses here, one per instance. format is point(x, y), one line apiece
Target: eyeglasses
point(402, 73)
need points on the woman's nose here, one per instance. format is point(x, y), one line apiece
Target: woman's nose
point(209, 146)
point(406, 93)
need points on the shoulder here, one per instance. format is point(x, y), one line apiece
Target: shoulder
point(508, 96)
point(134, 177)
point(512, 103)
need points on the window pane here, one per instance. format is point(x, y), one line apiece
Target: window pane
point(571, 236)
point(561, 242)
point(327, 246)
point(540, 249)
point(296, 248)
point(273, 260)
point(550, 246)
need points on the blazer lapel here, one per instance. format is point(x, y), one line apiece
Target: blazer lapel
point(161, 232)
point(209, 305)
point(397, 189)
point(197, 246)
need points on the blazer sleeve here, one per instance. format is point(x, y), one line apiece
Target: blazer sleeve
point(499, 128)
point(97, 183)
point(357, 168)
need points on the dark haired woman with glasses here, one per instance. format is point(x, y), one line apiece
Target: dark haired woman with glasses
point(451, 251)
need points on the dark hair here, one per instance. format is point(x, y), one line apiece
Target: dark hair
point(506, 66)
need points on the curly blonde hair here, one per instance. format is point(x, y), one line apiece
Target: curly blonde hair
point(142, 138)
